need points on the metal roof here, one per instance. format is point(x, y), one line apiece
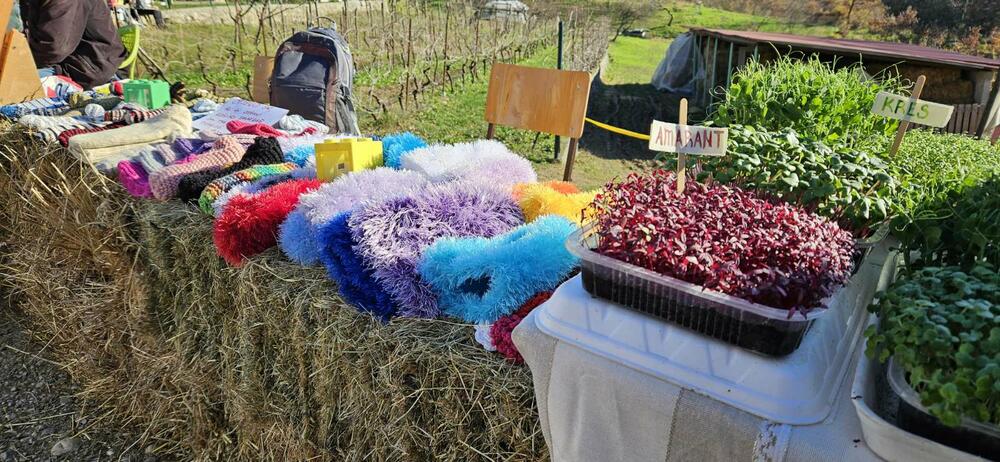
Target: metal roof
point(886, 50)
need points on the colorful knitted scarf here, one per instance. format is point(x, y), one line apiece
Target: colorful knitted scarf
point(219, 186)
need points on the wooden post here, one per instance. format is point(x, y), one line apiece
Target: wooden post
point(682, 119)
point(570, 158)
point(905, 124)
point(490, 131)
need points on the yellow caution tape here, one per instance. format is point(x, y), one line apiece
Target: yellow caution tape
point(620, 131)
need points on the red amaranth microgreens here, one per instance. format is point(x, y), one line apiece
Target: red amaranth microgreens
point(724, 238)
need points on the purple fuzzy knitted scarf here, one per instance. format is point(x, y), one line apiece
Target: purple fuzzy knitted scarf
point(392, 235)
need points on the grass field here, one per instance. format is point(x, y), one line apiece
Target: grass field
point(678, 17)
point(206, 56)
point(633, 60)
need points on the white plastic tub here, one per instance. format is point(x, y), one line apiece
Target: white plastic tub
point(797, 389)
point(885, 439)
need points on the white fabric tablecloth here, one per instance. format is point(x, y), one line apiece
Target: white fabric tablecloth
point(596, 409)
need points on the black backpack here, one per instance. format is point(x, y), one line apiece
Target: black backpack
point(313, 75)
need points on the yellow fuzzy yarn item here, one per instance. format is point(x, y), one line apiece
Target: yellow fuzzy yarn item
point(564, 187)
point(542, 199)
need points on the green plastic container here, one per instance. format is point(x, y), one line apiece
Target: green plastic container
point(152, 94)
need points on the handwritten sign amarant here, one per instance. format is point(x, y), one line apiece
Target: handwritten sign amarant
point(688, 139)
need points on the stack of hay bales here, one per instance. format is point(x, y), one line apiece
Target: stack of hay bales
point(260, 362)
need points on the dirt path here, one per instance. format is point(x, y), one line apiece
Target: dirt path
point(221, 14)
point(40, 418)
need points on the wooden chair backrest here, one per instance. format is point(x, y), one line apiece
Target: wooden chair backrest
point(6, 7)
point(263, 67)
point(19, 80)
point(542, 100)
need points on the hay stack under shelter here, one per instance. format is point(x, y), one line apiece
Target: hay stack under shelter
point(260, 362)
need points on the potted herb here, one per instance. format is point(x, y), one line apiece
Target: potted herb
point(940, 331)
point(726, 262)
point(846, 185)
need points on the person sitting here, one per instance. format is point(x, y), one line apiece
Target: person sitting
point(75, 38)
point(145, 8)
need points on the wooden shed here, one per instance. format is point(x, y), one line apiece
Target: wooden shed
point(967, 82)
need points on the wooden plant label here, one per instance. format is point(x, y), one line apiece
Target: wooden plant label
point(912, 110)
point(688, 139)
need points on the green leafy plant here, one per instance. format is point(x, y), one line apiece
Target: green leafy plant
point(942, 325)
point(947, 208)
point(844, 184)
point(818, 100)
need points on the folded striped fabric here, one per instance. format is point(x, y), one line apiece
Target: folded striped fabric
point(40, 106)
point(48, 128)
point(67, 134)
point(219, 186)
point(131, 116)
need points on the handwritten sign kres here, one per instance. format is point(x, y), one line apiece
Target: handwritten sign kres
point(239, 109)
point(912, 110)
point(688, 139)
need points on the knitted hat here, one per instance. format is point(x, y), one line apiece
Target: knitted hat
point(134, 178)
point(247, 128)
point(355, 279)
point(220, 185)
point(249, 225)
point(225, 151)
point(264, 151)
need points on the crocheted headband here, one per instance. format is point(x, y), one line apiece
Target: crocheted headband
point(221, 185)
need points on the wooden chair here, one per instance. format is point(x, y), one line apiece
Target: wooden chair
point(19, 80)
point(542, 100)
point(129, 36)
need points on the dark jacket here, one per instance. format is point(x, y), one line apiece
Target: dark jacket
point(76, 37)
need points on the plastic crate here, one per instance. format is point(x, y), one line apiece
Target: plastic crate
point(151, 94)
point(339, 156)
point(763, 329)
point(972, 437)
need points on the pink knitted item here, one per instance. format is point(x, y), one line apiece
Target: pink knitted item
point(501, 329)
point(246, 128)
point(239, 127)
point(225, 151)
point(190, 158)
point(134, 178)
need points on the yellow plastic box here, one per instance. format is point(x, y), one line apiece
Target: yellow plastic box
point(340, 156)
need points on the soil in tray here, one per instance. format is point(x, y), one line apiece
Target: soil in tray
point(921, 423)
point(761, 338)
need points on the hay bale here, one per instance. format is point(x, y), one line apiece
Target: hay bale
point(262, 362)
